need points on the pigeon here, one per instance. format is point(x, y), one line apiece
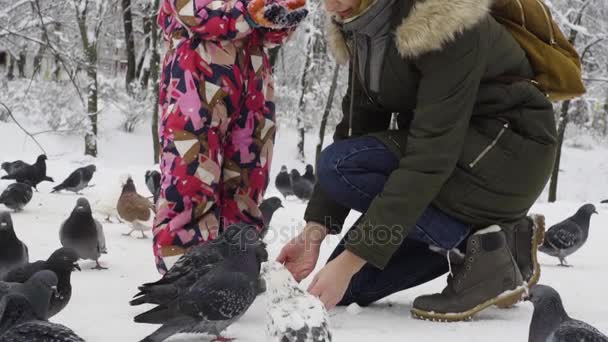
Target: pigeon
point(568, 236)
point(21, 324)
point(551, 323)
point(293, 315)
point(134, 208)
point(16, 196)
point(197, 262)
point(153, 183)
point(62, 262)
point(77, 180)
point(83, 233)
point(105, 204)
point(283, 182)
point(302, 187)
point(309, 175)
point(32, 174)
point(39, 290)
point(13, 252)
point(11, 167)
point(268, 207)
point(213, 302)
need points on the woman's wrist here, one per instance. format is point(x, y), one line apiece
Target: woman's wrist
point(314, 232)
point(351, 262)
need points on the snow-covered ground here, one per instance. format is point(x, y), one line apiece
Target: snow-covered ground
point(99, 309)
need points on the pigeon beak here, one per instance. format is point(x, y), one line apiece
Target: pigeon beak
point(281, 206)
point(55, 292)
point(76, 267)
point(79, 207)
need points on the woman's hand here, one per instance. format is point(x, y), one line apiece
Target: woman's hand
point(300, 255)
point(331, 282)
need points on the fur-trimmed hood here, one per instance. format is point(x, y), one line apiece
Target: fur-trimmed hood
point(429, 25)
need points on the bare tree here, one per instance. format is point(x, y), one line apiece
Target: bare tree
point(127, 19)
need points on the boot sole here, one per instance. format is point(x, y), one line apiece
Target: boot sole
point(506, 297)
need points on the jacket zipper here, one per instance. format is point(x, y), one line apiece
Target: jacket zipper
point(490, 146)
point(551, 33)
point(352, 89)
point(523, 16)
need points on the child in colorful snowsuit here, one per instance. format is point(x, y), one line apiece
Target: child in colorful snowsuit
point(217, 124)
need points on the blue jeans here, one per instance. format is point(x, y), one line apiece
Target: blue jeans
point(352, 172)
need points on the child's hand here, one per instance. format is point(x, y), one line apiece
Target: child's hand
point(277, 14)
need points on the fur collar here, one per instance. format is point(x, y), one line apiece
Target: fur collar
point(429, 25)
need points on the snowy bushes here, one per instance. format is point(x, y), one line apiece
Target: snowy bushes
point(47, 104)
point(133, 107)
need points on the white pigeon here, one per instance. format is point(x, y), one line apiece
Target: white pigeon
point(293, 314)
point(105, 204)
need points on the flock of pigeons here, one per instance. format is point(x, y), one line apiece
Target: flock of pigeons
point(211, 285)
point(296, 184)
point(205, 291)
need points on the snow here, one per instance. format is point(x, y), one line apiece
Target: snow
point(99, 309)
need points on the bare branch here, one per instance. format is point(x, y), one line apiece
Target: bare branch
point(10, 113)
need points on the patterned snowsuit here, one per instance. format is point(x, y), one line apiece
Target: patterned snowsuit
point(217, 124)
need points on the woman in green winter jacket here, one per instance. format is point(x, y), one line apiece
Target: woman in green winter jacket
point(456, 179)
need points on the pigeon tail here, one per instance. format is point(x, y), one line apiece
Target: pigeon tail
point(157, 315)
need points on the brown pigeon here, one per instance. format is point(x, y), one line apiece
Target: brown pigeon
point(134, 208)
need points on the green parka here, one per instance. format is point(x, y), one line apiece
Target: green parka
point(478, 148)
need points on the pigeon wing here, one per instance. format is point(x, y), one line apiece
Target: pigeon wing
point(40, 331)
point(73, 179)
point(564, 235)
point(219, 296)
point(23, 273)
point(578, 331)
point(14, 309)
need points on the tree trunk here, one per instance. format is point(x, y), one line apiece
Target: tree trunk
point(154, 77)
point(10, 74)
point(21, 63)
point(130, 45)
point(561, 130)
point(90, 52)
point(328, 105)
point(302, 106)
point(38, 59)
point(143, 70)
point(273, 56)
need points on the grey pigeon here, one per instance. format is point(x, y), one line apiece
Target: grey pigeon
point(283, 182)
point(83, 233)
point(11, 167)
point(77, 180)
point(268, 207)
point(214, 302)
point(309, 174)
point(62, 262)
point(153, 184)
point(39, 290)
point(302, 187)
point(292, 314)
point(551, 323)
point(16, 196)
point(13, 252)
point(196, 263)
point(22, 325)
point(31, 174)
point(566, 237)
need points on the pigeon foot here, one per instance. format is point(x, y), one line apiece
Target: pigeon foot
point(99, 267)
